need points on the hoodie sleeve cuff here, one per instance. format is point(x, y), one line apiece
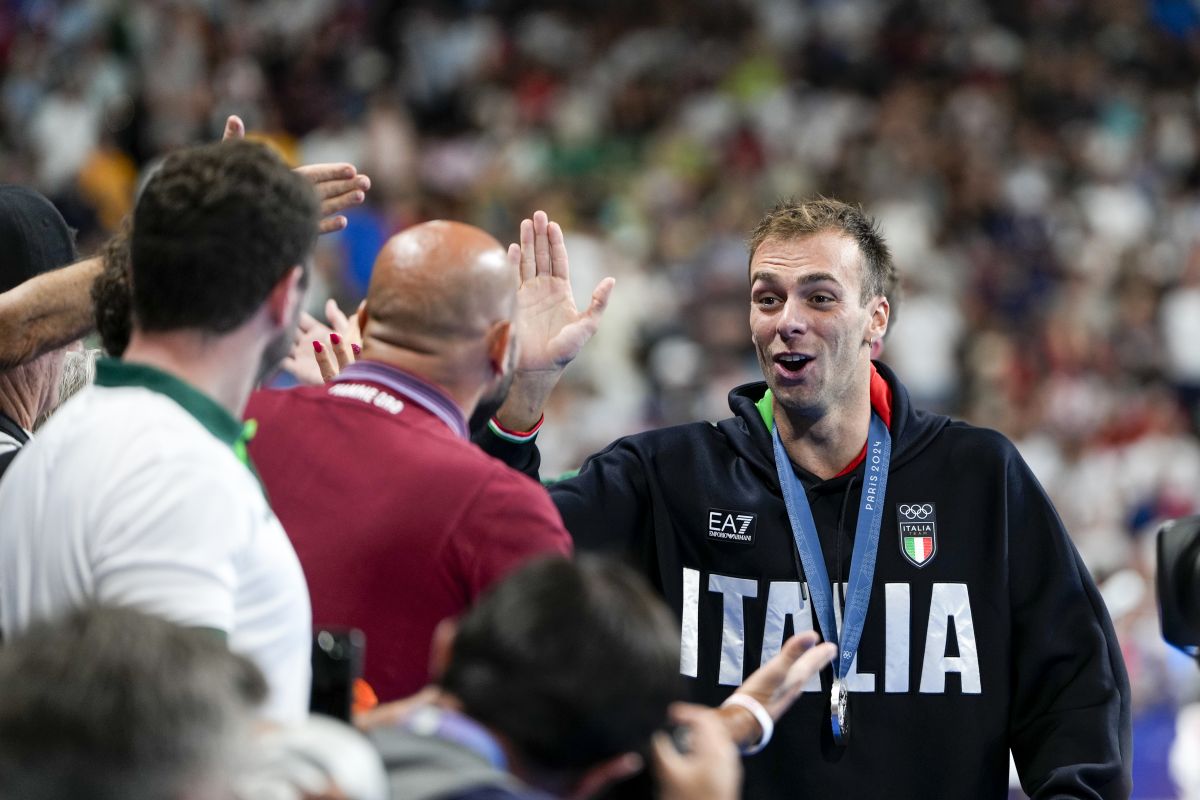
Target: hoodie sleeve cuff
point(516, 437)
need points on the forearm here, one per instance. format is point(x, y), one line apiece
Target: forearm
point(527, 398)
point(47, 312)
point(741, 725)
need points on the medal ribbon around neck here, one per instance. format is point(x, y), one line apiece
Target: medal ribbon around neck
point(866, 545)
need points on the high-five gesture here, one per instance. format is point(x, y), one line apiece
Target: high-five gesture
point(551, 330)
point(338, 186)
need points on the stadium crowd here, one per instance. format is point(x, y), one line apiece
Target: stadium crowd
point(1034, 167)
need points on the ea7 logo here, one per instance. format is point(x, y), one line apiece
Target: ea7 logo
point(918, 531)
point(731, 526)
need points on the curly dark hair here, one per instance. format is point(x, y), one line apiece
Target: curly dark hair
point(214, 231)
point(110, 293)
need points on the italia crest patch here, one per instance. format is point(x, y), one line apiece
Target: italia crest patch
point(918, 532)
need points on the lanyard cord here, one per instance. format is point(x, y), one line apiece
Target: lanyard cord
point(838, 548)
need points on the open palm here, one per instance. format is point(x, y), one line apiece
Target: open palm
point(550, 329)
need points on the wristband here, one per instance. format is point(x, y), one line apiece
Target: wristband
point(517, 437)
point(759, 713)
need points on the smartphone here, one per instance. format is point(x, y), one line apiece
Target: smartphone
point(337, 662)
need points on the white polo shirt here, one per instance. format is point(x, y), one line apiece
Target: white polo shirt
point(134, 494)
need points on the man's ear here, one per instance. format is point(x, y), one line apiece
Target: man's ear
point(498, 338)
point(606, 773)
point(878, 324)
point(442, 647)
point(285, 296)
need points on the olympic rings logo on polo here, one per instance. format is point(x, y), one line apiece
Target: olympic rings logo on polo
point(916, 510)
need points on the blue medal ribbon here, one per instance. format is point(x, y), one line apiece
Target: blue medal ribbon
point(862, 561)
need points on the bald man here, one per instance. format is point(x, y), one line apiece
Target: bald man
point(399, 521)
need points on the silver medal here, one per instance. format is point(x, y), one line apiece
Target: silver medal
point(839, 712)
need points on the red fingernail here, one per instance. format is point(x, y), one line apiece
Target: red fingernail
point(317, 347)
point(356, 349)
point(333, 337)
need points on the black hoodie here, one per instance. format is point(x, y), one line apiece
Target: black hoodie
point(984, 630)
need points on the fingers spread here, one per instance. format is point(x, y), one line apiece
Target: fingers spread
point(341, 202)
point(335, 187)
point(810, 663)
point(796, 645)
point(319, 173)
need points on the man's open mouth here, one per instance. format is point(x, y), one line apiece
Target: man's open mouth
point(792, 364)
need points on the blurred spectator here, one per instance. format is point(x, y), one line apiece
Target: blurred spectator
point(1181, 335)
point(35, 239)
point(428, 521)
point(113, 704)
point(554, 683)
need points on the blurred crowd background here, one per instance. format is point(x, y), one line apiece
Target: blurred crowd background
point(1035, 166)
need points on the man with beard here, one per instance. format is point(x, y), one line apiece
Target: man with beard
point(398, 520)
point(139, 492)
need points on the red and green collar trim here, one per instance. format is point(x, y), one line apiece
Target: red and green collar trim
point(881, 403)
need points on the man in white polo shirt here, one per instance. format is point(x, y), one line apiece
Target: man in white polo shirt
point(139, 492)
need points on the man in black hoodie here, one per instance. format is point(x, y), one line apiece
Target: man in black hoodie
point(967, 624)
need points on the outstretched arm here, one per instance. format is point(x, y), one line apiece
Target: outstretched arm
point(776, 685)
point(46, 312)
point(53, 309)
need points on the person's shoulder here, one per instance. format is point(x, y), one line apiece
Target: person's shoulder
point(272, 402)
point(979, 444)
point(989, 438)
point(119, 423)
point(683, 437)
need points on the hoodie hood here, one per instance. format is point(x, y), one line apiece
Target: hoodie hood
point(912, 429)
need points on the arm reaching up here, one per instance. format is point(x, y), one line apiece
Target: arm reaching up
point(551, 331)
point(55, 308)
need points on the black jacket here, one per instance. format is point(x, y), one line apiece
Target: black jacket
point(998, 640)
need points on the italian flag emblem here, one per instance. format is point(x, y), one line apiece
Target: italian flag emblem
point(918, 548)
point(918, 532)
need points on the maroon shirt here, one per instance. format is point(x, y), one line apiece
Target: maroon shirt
point(398, 520)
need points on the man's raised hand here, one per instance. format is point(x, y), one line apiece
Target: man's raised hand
point(338, 186)
point(551, 330)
